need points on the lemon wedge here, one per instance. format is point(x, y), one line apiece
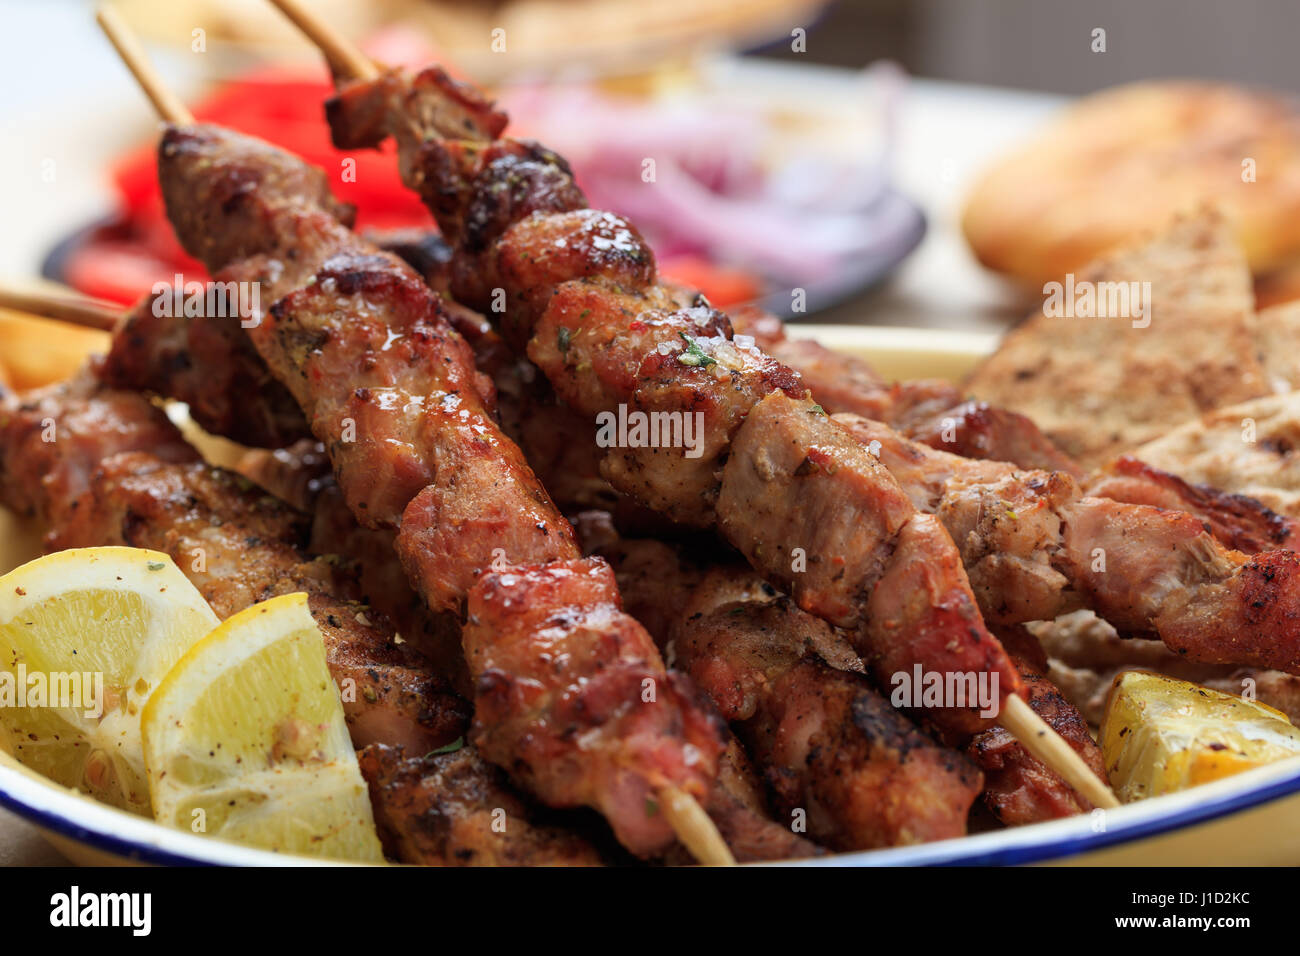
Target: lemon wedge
point(1160, 735)
point(245, 740)
point(85, 636)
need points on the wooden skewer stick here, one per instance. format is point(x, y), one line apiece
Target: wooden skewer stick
point(684, 814)
point(1017, 716)
point(344, 56)
point(168, 105)
point(694, 828)
point(1048, 746)
point(91, 313)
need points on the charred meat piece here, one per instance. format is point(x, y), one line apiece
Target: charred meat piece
point(817, 510)
point(933, 412)
point(1018, 788)
point(738, 807)
point(558, 661)
point(1240, 522)
point(832, 749)
point(53, 439)
point(455, 809)
point(207, 362)
point(1036, 547)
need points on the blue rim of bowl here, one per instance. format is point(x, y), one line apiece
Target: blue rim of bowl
point(107, 842)
point(99, 832)
point(1058, 840)
point(1041, 843)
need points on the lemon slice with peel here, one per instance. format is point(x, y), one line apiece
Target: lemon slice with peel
point(1161, 735)
point(85, 636)
point(245, 740)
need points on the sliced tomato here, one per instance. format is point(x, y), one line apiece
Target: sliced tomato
point(121, 271)
point(722, 285)
point(285, 107)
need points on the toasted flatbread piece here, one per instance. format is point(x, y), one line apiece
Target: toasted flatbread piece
point(1099, 385)
point(1249, 449)
point(1127, 158)
point(1279, 345)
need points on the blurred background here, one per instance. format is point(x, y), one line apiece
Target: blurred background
point(809, 156)
point(1033, 44)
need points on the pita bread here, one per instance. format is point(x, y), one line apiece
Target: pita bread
point(1279, 345)
point(1101, 385)
point(1124, 159)
point(1249, 449)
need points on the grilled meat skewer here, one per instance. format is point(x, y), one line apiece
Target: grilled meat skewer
point(391, 390)
point(742, 655)
point(683, 813)
point(120, 473)
point(830, 745)
point(931, 411)
point(934, 414)
point(184, 359)
point(1037, 547)
point(208, 363)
